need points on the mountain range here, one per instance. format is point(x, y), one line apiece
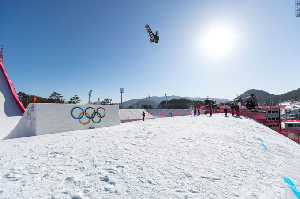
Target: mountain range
point(262, 96)
point(267, 98)
point(154, 101)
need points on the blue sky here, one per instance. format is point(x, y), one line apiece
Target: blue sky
point(71, 47)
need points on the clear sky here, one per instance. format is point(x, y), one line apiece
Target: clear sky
point(216, 48)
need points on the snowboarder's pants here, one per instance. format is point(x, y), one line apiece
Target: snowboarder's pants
point(237, 113)
point(225, 110)
point(198, 111)
point(210, 111)
point(232, 111)
point(143, 118)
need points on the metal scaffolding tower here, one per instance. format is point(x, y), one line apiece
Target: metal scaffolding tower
point(297, 8)
point(1, 52)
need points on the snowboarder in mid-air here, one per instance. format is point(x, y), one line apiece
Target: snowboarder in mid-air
point(153, 38)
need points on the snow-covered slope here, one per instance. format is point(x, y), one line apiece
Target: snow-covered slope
point(179, 157)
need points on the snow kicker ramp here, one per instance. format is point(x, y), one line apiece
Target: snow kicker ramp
point(11, 89)
point(40, 119)
point(11, 108)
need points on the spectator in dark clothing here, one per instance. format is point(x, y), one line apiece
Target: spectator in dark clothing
point(237, 110)
point(232, 107)
point(143, 116)
point(210, 108)
point(225, 109)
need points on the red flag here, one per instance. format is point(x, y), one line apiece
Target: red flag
point(34, 99)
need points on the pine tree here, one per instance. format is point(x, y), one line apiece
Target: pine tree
point(56, 98)
point(74, 100)
point(23, 97)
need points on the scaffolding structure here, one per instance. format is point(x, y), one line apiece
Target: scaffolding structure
point(297, 8)
point(1, 52)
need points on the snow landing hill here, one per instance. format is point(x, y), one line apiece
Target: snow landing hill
point(179, 157)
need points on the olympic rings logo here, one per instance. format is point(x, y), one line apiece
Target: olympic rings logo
point(87, 115)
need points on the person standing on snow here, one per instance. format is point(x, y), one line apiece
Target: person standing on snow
point(240, 105)
point(211, 105)
point(143, 116)
point(237, 110)
point(225, 109)
point(232, 107)
point(198, 108)
point(192, 111)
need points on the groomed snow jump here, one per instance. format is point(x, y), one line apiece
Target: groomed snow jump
point(11, 87)
point(40, 119)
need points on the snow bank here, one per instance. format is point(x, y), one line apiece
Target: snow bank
point(178, 157)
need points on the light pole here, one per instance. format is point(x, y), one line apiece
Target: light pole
point(166, 100)
point(121, 91)
point(90, 93)
point(149, 103)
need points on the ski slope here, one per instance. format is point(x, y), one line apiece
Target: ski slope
point(178, 157)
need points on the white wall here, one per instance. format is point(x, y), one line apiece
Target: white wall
point(136, 114)
point(169, 112)
point(26, 126)
point(133, 114)
point(40, 119)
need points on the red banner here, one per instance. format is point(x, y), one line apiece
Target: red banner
point(255, 116)
point(271, 107)
point(275, 121)
point(290, 121)
point(284, 131)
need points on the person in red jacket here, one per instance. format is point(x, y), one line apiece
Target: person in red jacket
point(198, 108)
point(237, 110)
